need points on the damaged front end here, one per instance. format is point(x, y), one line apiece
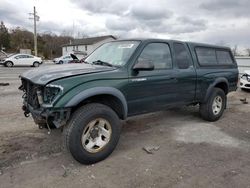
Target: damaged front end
point(38, 101)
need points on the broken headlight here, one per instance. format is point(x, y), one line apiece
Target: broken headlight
point(51, 93)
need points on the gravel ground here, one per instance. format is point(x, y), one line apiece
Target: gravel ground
point(189, 152)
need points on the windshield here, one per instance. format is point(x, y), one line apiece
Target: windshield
point(113, 53)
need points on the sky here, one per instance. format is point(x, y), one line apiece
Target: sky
point(225, 22)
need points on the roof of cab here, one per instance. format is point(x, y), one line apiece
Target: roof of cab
point(171, 40)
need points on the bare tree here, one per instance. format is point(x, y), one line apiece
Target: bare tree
point(235, 50)
point(248, 51)
point(4, 37)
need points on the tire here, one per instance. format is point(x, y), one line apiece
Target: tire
point(213, 109)
point(60, 62)
point(9, 64)
point(36, 64)
point(86, 123)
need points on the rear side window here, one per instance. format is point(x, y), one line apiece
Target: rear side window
point(181, 56)
point(224, 57)
point(212, 56)
point(206, 56)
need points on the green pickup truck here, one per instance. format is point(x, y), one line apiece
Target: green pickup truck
point(125, 78)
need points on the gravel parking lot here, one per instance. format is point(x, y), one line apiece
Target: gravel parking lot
point(186, 151)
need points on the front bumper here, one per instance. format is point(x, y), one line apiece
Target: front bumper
point(244, 84)
point(50, 116)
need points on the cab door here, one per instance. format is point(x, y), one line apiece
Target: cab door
point(149, 90)
point(185, 73)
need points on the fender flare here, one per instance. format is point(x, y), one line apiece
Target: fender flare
point(211, 86)
point(99, 91)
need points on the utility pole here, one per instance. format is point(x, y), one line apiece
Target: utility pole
point(35, 17)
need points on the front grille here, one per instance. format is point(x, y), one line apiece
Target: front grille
point(30, 90)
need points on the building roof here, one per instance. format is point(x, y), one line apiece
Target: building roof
point(88, 41)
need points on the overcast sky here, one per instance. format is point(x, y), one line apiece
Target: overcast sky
point(213, 21)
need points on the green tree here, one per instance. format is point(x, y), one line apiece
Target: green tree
point(4, 36)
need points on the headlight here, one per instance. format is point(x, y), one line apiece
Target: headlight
point(51, 93)
point(245, 77)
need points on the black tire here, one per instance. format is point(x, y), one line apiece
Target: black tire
point(60, 62)
point(206, 109)
point(36, 64)
point(9, 64)
point(73, 131)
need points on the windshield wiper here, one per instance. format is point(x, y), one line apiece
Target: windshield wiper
point(100, 62)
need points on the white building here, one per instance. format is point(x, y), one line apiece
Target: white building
point(85, 45)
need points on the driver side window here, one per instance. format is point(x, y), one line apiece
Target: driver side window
point(158, 54)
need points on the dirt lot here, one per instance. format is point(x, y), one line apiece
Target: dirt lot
point(192, 152)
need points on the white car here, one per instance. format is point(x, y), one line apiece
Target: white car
point(245, 80)
point(22, 59)
point(63, 59)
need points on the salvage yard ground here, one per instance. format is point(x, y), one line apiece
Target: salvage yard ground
point(190, 152)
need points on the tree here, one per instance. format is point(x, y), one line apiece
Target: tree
point(21, 39)
point(49, 44)
point(4, 37)
point(235, 50)
point(248, 51)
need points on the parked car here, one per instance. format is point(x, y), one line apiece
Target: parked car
point(245, 80)
point(63, 59)
point(124, 78)
point(22, 59)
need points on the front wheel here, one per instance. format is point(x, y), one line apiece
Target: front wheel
point(213, 109)
point(9, 64)
point(92, 133)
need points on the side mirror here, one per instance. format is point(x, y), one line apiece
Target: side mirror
point(144, 65)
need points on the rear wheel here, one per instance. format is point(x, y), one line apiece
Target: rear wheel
point(92, 133)
point(9, 64)
point(213, 109)
point(60, 62)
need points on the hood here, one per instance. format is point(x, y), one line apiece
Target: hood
point(247, 72)
point(45, 74)
point(74, 57)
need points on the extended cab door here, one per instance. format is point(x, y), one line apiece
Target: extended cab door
point(149, 90)
point(186, 73)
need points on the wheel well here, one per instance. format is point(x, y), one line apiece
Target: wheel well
point(223, 86)
point(113, 102)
